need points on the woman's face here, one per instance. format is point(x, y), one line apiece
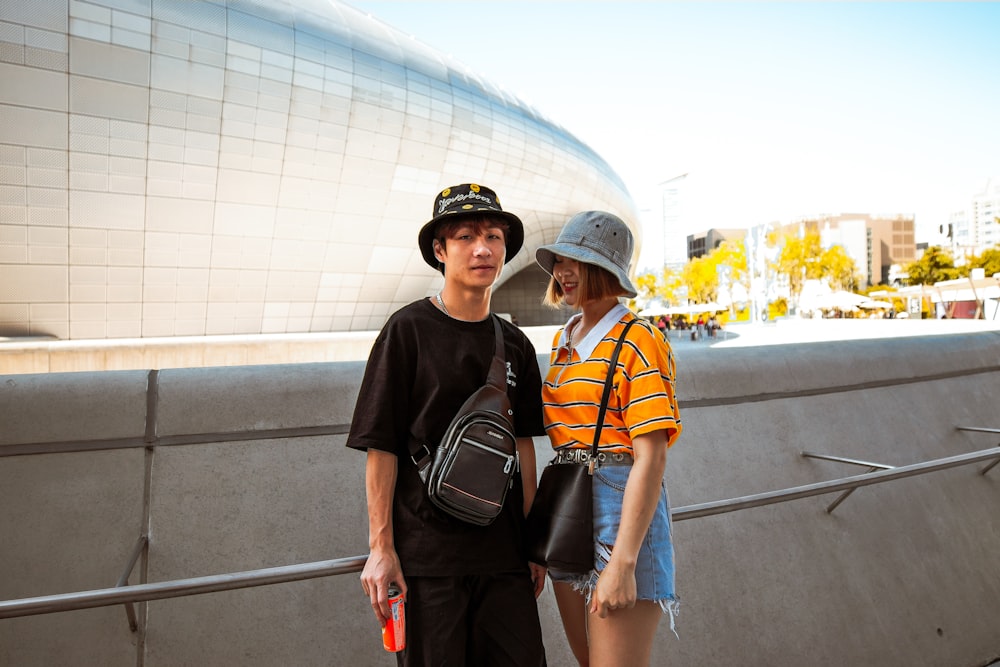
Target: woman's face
point(566, 271)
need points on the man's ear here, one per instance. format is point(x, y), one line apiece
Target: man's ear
point(439, 251)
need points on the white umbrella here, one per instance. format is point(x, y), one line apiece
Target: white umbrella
point(874, 304)
point(841, 300)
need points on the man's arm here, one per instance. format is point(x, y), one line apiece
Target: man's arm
point(382, 566)
point(529, 482)
point(529, 478)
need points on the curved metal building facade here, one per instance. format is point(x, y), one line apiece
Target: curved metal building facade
point(174, 168)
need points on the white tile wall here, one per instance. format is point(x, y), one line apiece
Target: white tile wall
point(170, 167)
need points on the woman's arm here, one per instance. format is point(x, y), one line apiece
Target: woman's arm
point(616, 587)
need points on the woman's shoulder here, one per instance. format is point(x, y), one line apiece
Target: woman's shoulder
point(643, 337)
point(641, 329)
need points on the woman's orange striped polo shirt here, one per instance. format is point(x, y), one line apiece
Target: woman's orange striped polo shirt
point(642, 398)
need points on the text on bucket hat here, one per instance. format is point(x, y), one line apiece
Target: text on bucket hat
point(593, 237)
point(463, 200)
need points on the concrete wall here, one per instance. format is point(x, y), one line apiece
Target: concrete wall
point(902, 573)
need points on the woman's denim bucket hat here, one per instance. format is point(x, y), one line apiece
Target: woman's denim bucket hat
point(593, 237)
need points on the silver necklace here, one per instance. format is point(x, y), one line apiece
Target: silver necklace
point(440, 301)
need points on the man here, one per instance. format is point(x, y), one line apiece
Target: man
point(469, 591)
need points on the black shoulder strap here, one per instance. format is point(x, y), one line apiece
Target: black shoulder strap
point(498, 368)
point(497, 378)
point(608, 381)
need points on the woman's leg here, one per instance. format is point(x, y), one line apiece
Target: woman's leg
point(573, 610)
point(624, 638)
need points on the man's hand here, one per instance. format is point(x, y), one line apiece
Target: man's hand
point(381, 569)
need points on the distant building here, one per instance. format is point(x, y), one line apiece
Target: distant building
point(672, 200)
point(875, 243)
point(975, 228)
point(702, 243)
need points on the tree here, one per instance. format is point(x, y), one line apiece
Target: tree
point(800, 259)
point(989, 261)
point(935, 265)
point(839, 269)
point(645, 285)
point(701, 279)
point(730, 260)
point(672, 284)
point(663, 287)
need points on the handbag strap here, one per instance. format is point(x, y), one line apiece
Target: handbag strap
point(498, 368)
point(497, 378)
point(608, 381)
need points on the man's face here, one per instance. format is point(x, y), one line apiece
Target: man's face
point(473, 253)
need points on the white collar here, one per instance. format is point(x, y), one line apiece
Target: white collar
point(585, 347)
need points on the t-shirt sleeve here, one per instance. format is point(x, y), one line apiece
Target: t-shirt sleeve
point(528, 421)
point(647, 393)
point(380, 413)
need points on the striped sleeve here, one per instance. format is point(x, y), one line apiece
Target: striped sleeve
point(646, 388)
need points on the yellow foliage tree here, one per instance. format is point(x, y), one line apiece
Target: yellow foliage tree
point(701, 278)
point(839, 269)
point(799, 258)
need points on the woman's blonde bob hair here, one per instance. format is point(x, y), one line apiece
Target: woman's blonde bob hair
point(595, 284)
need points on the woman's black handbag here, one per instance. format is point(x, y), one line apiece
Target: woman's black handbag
point(560, 525)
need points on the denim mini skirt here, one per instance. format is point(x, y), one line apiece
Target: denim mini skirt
point(654, 569)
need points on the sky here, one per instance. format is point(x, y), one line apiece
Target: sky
point(775, 110)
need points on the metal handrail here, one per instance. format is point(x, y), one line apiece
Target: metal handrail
point(140, 546)
point(275, 575)
point(820, 488)
point(981, 429)
point(872, 467)
point(175, 588)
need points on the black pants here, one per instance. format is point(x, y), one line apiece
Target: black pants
point(488, 620)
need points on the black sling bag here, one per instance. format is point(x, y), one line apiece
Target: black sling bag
point(474, 465)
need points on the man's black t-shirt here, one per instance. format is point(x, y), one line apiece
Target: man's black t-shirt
point(422, 367)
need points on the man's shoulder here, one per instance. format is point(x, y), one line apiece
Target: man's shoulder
point(415, 310)
point(513, 334)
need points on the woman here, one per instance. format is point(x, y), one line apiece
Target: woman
point(611, 614)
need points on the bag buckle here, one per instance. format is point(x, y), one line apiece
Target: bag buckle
point(423, 464)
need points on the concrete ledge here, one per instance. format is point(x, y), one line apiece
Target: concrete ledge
point(705, 373)
point(72, 406)
point(900, 574)
point(253, 398)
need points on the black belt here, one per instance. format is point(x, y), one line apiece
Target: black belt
point(582, 457)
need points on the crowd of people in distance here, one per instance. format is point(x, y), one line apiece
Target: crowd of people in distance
point(700, 328)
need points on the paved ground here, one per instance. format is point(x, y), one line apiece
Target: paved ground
point(803, 331)
point(43, 355)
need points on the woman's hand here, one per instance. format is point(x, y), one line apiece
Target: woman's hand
point(537, 577)
point(615, 589)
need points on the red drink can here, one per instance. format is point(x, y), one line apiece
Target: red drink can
point(394, 630)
